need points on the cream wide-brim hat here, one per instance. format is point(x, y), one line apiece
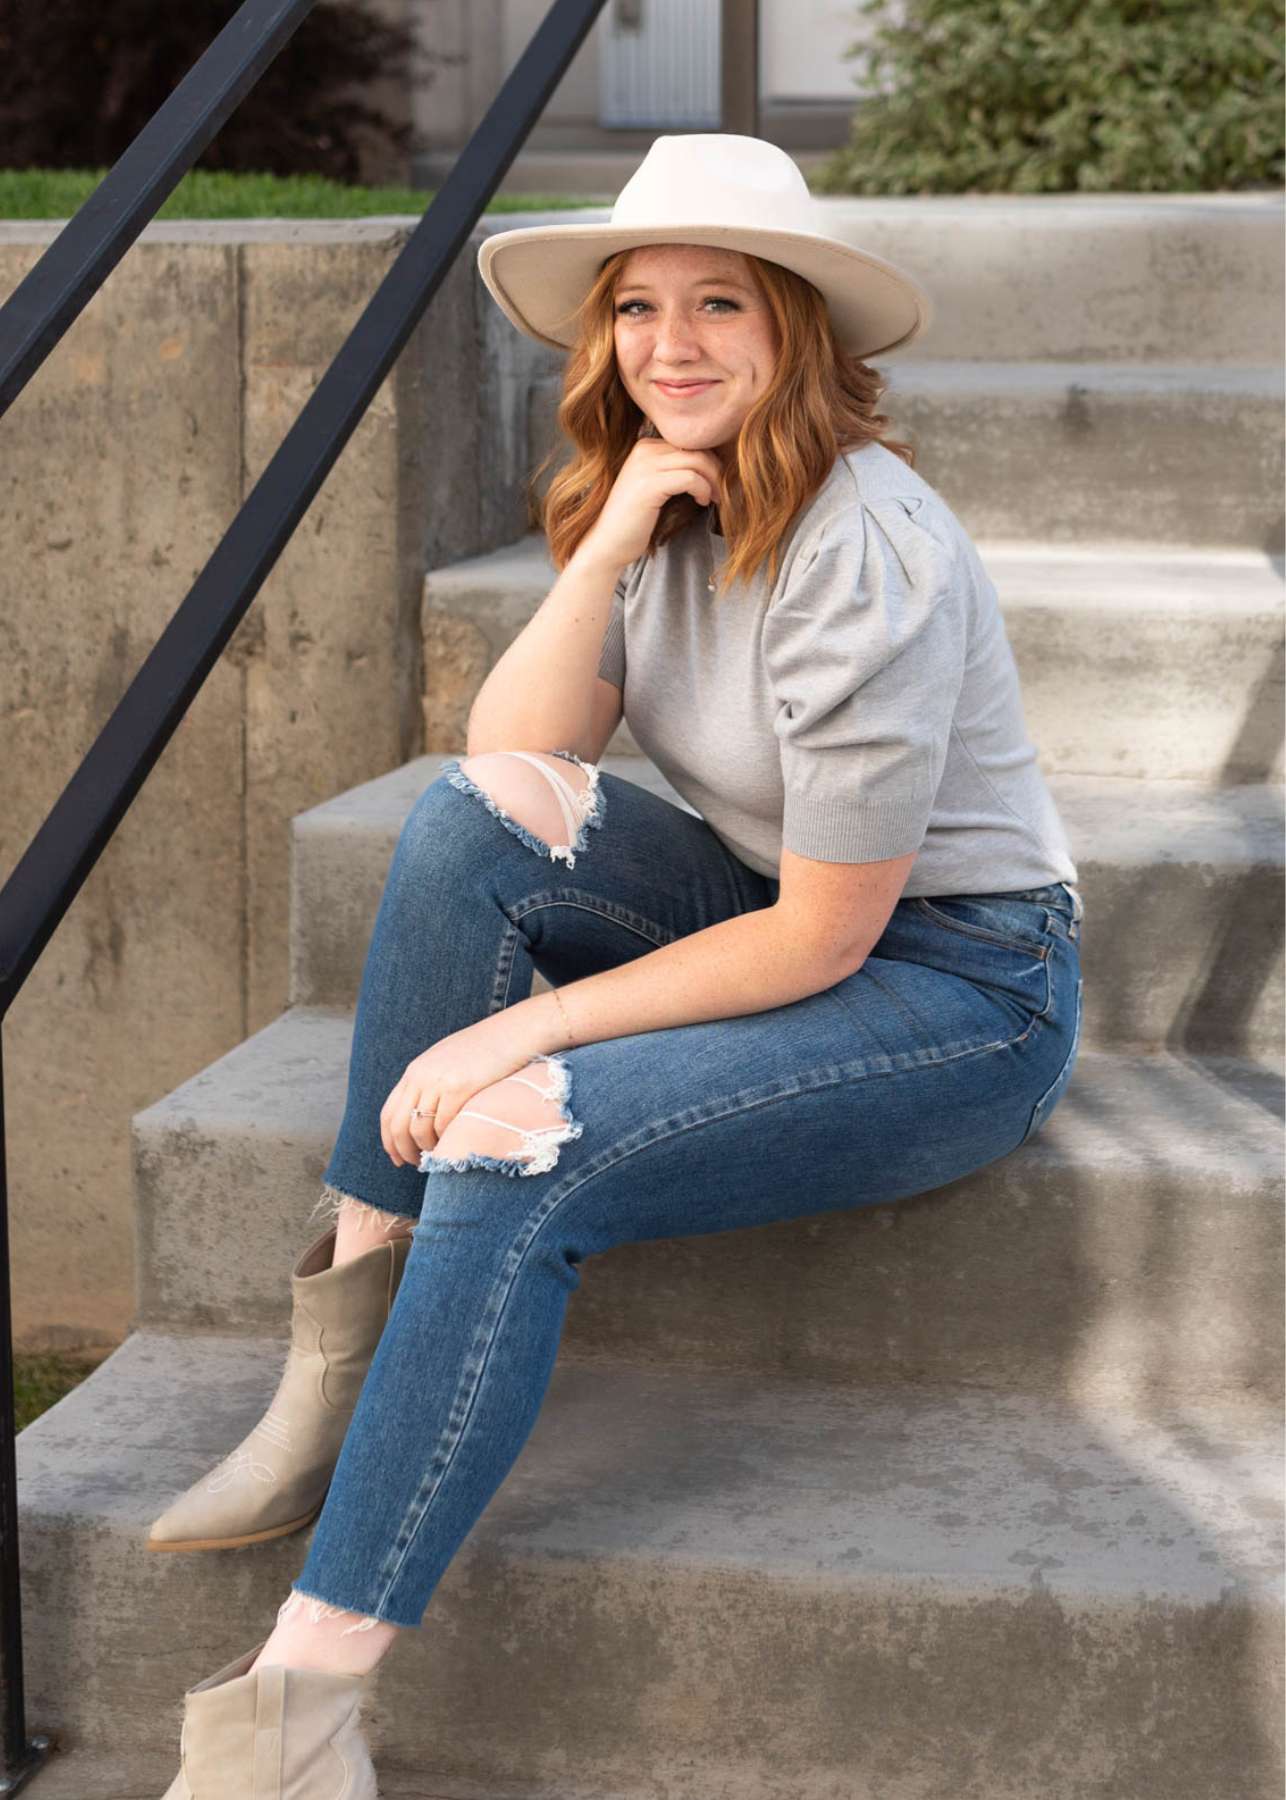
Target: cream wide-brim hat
point(733, 193)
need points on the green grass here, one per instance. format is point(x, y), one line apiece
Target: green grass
point(210, 194)
point(42, 1378)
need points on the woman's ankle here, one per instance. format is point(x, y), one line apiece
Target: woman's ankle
point(312, 1634)
point(360, 1227)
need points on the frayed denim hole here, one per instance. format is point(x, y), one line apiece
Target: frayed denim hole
point(456, 778)
point(596, 792)
point(549, 1139)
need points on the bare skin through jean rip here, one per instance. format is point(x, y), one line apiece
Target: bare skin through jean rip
point(548, 799)
point(557, 796)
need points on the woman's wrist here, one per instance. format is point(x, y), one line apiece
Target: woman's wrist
point(589, 559)
point(542, 1021)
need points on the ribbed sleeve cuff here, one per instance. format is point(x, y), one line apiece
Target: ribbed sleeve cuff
point(844, 831)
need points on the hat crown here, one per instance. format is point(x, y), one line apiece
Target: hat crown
point(716, 179)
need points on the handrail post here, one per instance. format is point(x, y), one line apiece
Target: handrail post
point(20, 1756)
point(739, 67)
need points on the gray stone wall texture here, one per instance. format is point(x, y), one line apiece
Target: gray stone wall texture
point(123, 462)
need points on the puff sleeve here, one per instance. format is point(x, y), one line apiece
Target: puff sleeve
point(865, 651)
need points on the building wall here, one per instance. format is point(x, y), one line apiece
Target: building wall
point(474, 46)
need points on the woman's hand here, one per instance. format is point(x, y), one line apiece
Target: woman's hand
point(446, 1076)
point(652, 473)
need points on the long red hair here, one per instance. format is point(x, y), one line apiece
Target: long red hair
point(821, 401)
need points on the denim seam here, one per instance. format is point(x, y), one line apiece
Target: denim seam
point(615, 915)
point(472, 1377)
point(1041, 1109)
point(503, 981)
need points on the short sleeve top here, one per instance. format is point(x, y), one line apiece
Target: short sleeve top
point(864, 704)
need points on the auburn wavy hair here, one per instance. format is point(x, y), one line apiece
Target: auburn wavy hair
point(821, 401)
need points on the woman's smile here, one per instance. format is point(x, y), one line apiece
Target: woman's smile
point(681, 390)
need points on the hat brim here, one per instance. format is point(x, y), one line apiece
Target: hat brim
point(539, 275)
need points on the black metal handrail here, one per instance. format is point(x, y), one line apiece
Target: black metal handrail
point(64, 850)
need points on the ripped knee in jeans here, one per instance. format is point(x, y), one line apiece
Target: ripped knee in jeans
point(538, 1118)
point(530, 795)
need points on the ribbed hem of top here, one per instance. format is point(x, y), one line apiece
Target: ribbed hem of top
point(840, 831)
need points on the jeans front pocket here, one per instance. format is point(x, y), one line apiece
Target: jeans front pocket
point(991, 941)
point(1019, 924)
point(1054, 1092)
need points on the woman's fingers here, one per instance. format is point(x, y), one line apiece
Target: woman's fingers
point(704, 465)
point(404, 1136)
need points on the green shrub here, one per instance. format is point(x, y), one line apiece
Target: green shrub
point(1047, 96)
point(78, 82)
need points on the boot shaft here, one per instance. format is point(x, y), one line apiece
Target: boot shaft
point(275, 1734)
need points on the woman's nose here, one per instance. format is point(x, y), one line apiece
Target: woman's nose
point(675, 337)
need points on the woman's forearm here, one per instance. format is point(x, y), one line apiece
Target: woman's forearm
point(747, 964)
point(540, 695)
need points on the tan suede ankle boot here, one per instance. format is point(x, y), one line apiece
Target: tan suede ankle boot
point(276, 1734)
point(276, 1479)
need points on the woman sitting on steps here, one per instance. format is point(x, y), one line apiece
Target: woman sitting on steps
point(853, 978)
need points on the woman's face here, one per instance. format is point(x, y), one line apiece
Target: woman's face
point(696, 343)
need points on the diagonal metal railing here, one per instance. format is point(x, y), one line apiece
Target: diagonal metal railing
point(64, 850)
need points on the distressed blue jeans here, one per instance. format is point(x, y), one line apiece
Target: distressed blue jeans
point(946, 1050)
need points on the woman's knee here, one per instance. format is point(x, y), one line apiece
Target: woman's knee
point(516, 1125)
point(544, 799)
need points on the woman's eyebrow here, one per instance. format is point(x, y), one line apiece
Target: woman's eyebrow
point(722, 281)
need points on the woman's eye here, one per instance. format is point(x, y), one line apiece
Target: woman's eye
point(626, 309)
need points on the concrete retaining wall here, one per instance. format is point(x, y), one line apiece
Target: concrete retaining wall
point(122, 464)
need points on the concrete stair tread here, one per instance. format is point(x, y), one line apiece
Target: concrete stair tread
point(1098, 277)
point(708, 1470)
point(1181, 881)
point(1139, 662)
point(1161, 453)
point(1151, 577)
point(722, 1588)
point(1140, 819)
point(122, 1775)
point(1034, 379)
point(1134, 662)
point(1263, 380)
point(1134, 1241)
point(1209, 1112)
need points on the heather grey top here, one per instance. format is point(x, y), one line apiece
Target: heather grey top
point(864, 705)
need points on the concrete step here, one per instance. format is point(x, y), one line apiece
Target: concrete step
point(718, 1587)
point(1133, 662)
point(126, 1775)
point(1167, 455)
point(1131, 1246)
point(1182, 883)
point(143, 1775)
point(1075, 278)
